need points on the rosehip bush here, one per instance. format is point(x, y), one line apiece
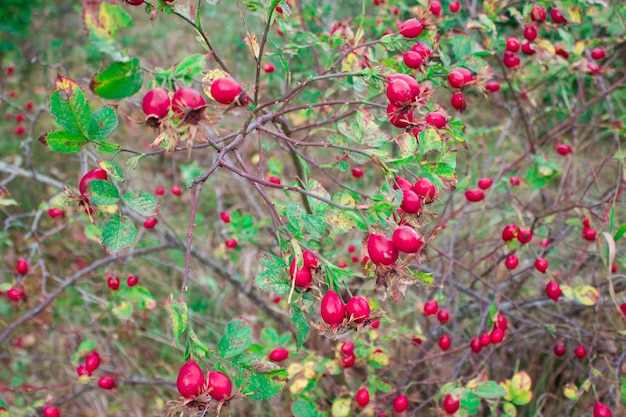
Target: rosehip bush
point(425, 198)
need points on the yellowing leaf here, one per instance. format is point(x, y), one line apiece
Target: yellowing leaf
point(294, 369)
point(579, 47)
point(253, 45)
point(574, 15)
point(521, 381)
point(570, 391)
point(545, 44)
point(298, 385)
point(341, 407)
point(351, 63)
point(309, 370)
point(509, 409)
point(586, 295)
point(380, 359)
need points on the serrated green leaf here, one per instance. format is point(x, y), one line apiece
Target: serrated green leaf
point(108, 148)
point(269, 336)
point(69, 107)
point(64, 141)
point(140, 297)
point(461, 46)
point(142, 203)
point(315, 226)
point(119, 80)
point(490, 390)
point(235, 340)
point(93, 233)
point(85, 347)
point(178, 317)
point(298, 318)
point(274, 277)
point(118, 234)
point(103, 123)
point(293, 213)
point(191, 66)
point(103, 192)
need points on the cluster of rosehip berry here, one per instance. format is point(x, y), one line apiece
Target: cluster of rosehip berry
point(191, 382)
point(20, 117)
point(186, 101)
point(16, 293)
point(334, 312)
point(113, 281)
point(384, 251)
point(538, 17)
point(495, 337)
point(92, 362)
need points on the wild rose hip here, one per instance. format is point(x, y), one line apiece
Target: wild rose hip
point(553, 290)
point(406, 239)
point(445, 342)
point(541, 265)
point(559, 348)
point(431, 307)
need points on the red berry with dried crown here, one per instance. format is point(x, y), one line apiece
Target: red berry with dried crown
point(358, 308)
point(219, 385)
point(190, 379)
point(185, 100)
point(225, 90)
point(408, 240)
point(381, 249)
point(156, 103)
point(332, 308)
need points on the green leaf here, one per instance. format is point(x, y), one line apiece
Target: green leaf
point(191, 66)
point(298, 318)
point(263, 379)
point(142, 203)
point(269, 336)
point(123, 311)
point(108, 148)
point(118, 234)
point(103, 123)
point(314, 225)
point(103, 192)
point(490, 390)
point(620, 232)
point(112, 170)
point(85, 347)
point(461, 46)
point(69, 106)
point(118, 80)
point(199, 348)
point(178, 316)
point(293, 213)
point(235, 340)
point(140, 297)
point(302, 408)
point(63, 141)
point(274, 277)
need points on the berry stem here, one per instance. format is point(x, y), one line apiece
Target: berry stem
point(192, 222)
